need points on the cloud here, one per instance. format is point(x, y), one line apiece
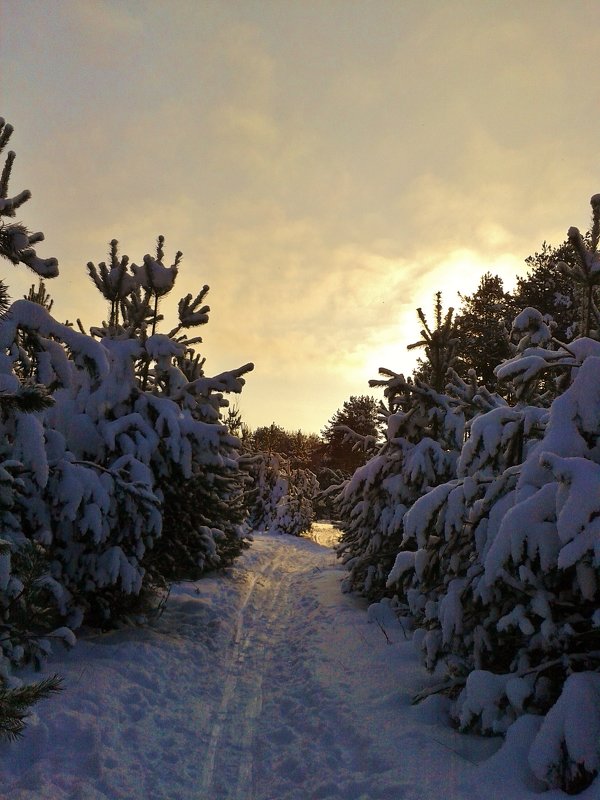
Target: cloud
point(101, 22)
point(325, 171)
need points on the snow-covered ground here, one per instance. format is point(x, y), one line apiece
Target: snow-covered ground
point(266, 683)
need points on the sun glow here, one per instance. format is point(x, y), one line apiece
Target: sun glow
point(459, 272)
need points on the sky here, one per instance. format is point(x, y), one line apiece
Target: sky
point(325, 166)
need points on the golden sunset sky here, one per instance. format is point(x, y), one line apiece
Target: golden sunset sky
point(325, 166)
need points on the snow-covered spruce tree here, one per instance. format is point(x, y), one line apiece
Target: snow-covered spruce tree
point(167, 413)
point(423, 437)
point(507, 569)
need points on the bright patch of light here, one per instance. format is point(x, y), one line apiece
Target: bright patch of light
point(457, 272)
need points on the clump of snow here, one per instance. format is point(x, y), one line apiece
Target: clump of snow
point(405, 561)
point(566, 750)
point(154, 276)
point(532, 329)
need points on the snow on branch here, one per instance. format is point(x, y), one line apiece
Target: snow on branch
point(16, 242)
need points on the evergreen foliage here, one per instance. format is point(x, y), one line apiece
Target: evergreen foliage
point(117, 472)
point(549, 289)
point(15, 704)
point(500, 565)
point(440, 346)
point(303, 450)
point(170, 416)
point(122, 468)
point(351, 434)
point(423, 437)
point(482, 330)
point(28, 605)
point(280, 498)
point(282, 487)
point(16, 242)
point(584, 272)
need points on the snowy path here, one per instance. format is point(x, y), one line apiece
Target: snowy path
point(276, 725)
point(263, 684)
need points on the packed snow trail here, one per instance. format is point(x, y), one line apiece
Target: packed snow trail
point(265, 683)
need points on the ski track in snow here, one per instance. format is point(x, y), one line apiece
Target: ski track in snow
point(265, 683)
point(274, 718)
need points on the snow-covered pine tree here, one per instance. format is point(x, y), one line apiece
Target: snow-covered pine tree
point(550, 289)
point(280, 498)
point(452, 526)
point(282, 488)
point(16, 242)
point(295, 510)
point(204, 517)
point(423, 437)
point(27, 607)
point(268, 484)
point(507, 570)
point(167, 413)
point(94, 516)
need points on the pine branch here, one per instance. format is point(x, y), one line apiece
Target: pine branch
point(15, 703)
point(6, 131)
point(27, 399)
point(8, 164)
point(595, 232)
point(445, 687)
